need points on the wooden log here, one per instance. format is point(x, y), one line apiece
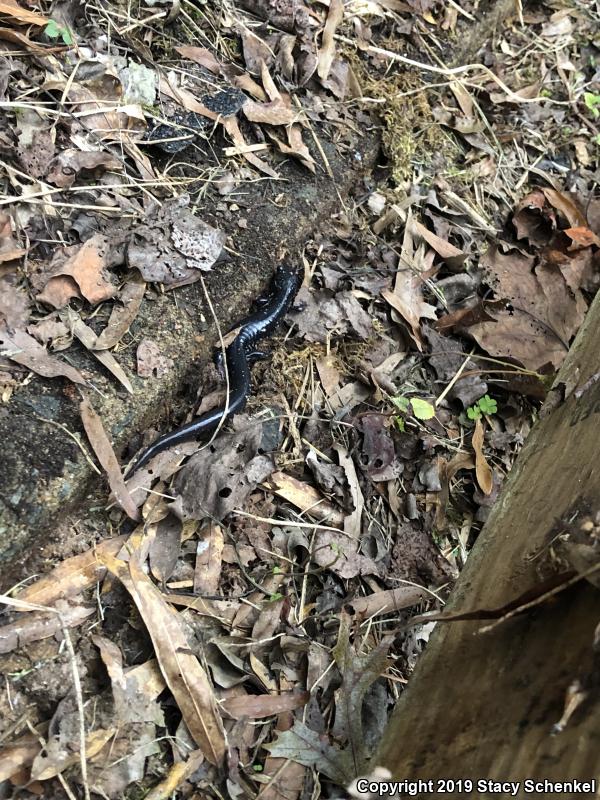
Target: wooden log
point(485, 705)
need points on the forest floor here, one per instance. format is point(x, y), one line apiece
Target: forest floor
point(239, 618)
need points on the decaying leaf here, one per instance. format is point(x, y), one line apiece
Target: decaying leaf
point(335, 16)
point(183, 674)
point(40, 625)
point(121, 316)
point(305, 746)
point(264, 705)
point(70, 162)
point(212, 484)
point(173, 245)
point(88, 339)
point(23, 349)
point(82, 274)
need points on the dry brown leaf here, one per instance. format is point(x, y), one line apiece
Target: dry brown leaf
point(21, 15)
point(231, 126)
point(335, 15)
point(185, 677)
point(387, 602)
point(72, 576)
point(264, 705)
point(201, 56)
point(41, 625)
point(9, 249)
point(70, 162)
point(20, 754)
point(23, 349)
point(542, 308)
point(48, 766)
point(88, 339)
point(447, 252)
point(483, 471)
point(121, 316)
point(83, 272)
point(568, 207)
point(11, 35)
point(582, 236)
point(176, 775)
point(165, 547)
point(186, 99)
point(408, 301)
point(106, 456)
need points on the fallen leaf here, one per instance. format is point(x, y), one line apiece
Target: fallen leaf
point(407, 300)
point(23, 349)
point(568, 207)
point(21, 15)
point(183, 674)
point(83, 273)
point(173, 246)
point(165, 548)
point(121, 316)
point(88, 339)
point(9, 249)
point(306, 498)
point(387, 602)
point(217, 480)
point(335, 15)
point(446, 251)
point(307, 747)
point(40, 625)
point(70, 162)
point(484, 474)
point(200, 55)
point(72, 576)
point(541, 311)
point(106, 456)
point(259, 706)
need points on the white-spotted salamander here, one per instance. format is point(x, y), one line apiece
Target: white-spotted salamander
point(239, 356)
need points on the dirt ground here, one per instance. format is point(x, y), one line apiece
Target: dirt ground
point(239, 618)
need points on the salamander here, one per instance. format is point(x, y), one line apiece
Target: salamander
point(239, 356)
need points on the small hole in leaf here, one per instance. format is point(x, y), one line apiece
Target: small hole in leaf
point(225, 492)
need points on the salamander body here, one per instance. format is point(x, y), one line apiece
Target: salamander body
point(239, 356)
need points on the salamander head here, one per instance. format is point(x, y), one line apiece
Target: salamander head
point(286, 275)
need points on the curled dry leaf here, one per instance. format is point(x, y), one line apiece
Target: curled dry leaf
point(106, 456)
point(87, 337)
point(14, 303)
point(23, 349)
point(183, 674)
point(306, 498)
point(70, 162)
point(83, 274)
point(483, 471)
point(209, 553)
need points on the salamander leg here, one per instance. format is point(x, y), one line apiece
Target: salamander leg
point(256, 355)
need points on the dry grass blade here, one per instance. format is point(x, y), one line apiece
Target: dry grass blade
point(184, 675)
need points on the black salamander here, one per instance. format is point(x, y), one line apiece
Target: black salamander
point(239, 355)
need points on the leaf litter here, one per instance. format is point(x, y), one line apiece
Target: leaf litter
point(261, 609)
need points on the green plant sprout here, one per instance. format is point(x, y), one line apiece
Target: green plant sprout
point(55, 31)
point(592, 102)
point(421, 409)
point(485, 405)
